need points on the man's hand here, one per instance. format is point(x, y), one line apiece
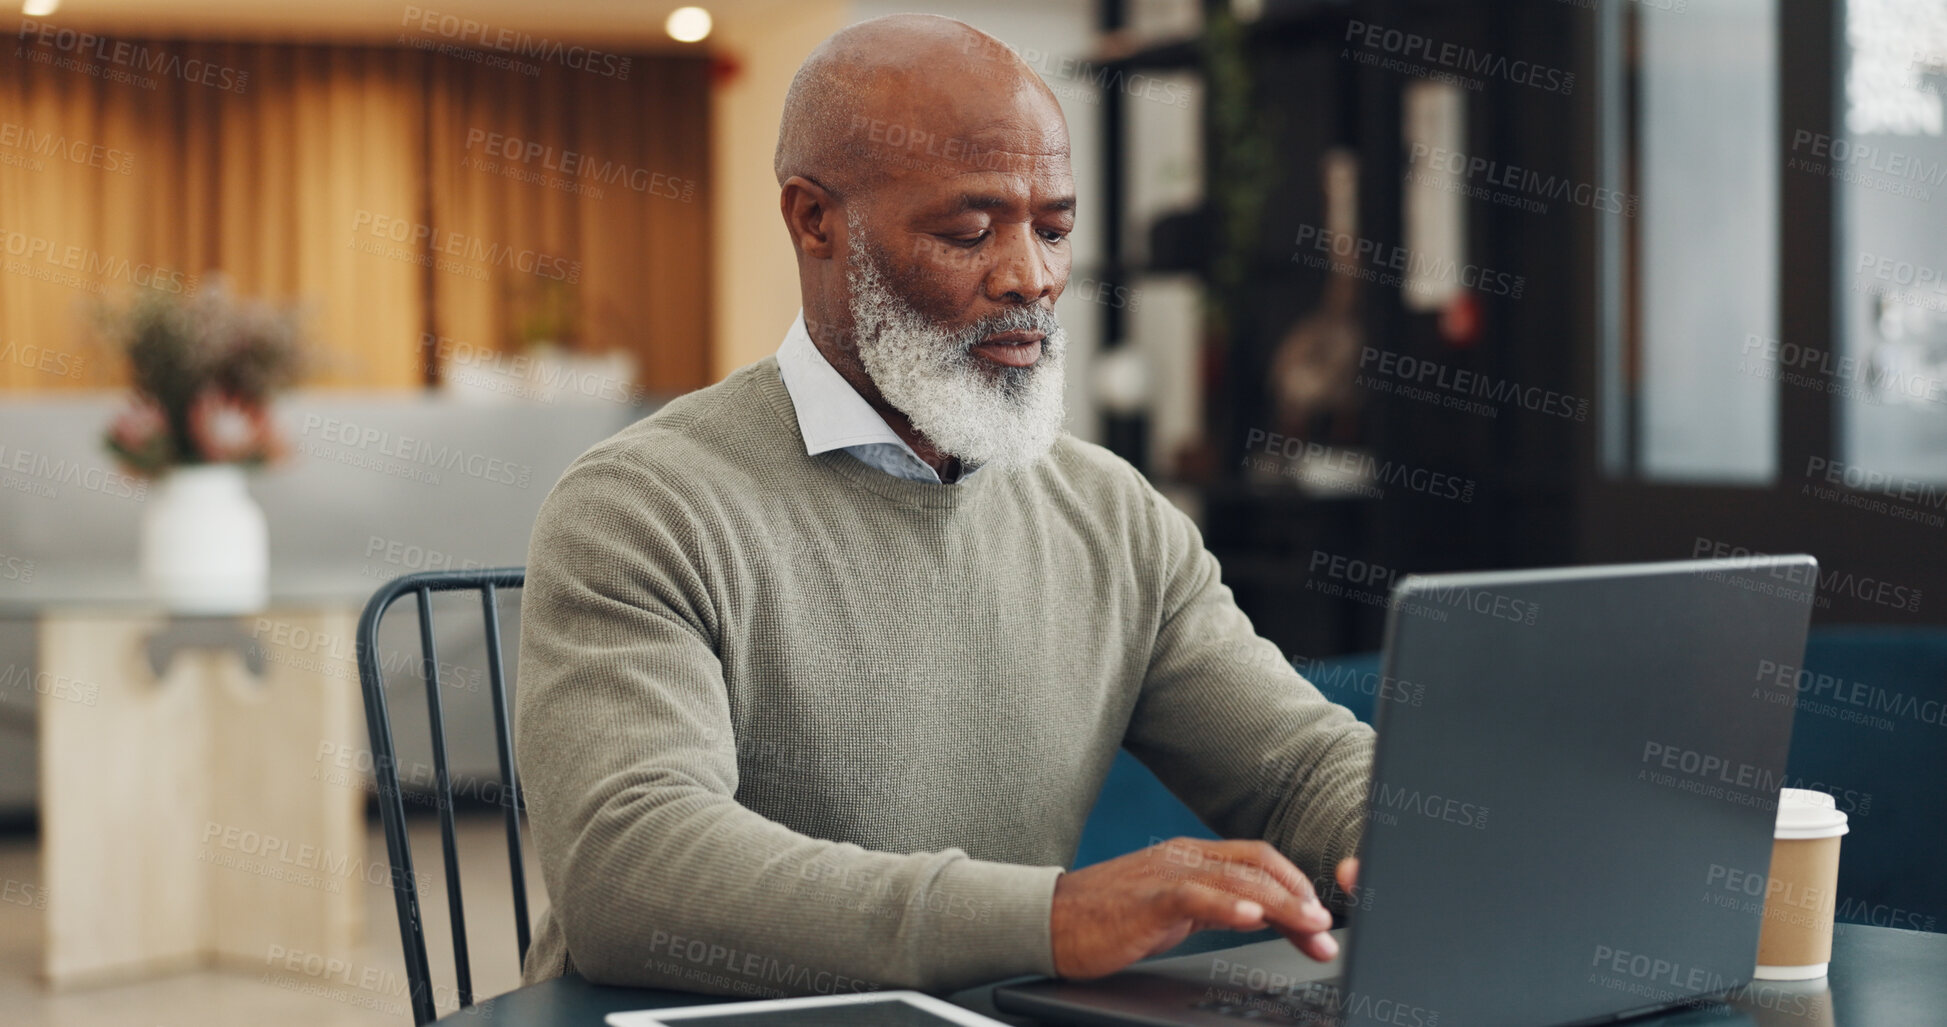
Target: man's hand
point(1111, 914)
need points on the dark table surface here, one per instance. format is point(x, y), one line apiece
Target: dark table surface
point(1880, 977)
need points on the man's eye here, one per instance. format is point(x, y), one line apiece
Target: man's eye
point(967, 240)
point(1053, 234)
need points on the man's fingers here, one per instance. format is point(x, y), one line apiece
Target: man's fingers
point(1348, 873)
point(1260, 863)
point(1262, 857)
point(1253, 870)
point(1256, 870)
point(1281, 907)
point(1193, 901)
point(1319, 945)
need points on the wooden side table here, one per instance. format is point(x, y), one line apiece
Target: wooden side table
point(193, 817)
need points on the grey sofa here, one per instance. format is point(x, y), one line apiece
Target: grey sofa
point(377, 485)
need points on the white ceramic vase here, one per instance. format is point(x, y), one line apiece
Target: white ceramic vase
point(205, 547)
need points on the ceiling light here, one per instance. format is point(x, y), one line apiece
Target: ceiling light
point(687, 24)
point(40, 8)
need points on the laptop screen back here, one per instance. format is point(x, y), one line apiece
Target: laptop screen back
point(1573, 786)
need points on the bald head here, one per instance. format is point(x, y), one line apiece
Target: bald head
point(923, 176)
point(907, 92)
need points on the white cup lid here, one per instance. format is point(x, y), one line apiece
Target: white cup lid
point(1806, 813)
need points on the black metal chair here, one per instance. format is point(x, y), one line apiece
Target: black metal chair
point(392, 810)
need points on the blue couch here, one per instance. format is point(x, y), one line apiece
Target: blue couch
point(1135, 810)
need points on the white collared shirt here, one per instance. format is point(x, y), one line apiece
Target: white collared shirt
point(832, 414)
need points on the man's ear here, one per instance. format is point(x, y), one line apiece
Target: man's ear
point(810, 215)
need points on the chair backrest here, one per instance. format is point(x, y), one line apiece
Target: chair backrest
point(385, 768)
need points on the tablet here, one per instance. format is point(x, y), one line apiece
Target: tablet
point(874, 1009)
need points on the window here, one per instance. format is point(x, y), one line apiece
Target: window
point(1888, 166)
point(1692, 386)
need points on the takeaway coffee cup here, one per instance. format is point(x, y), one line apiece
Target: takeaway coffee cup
point(1796, 942)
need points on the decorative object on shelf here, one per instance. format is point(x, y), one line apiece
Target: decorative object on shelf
point(1314, 366)
point(545, 359)
point(1122, 380)
point(203, 368)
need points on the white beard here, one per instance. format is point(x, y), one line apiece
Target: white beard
point(1006, 417)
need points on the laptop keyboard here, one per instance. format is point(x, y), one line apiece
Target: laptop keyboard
point(1316, 1002)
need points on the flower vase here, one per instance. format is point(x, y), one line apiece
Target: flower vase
point(205, 546)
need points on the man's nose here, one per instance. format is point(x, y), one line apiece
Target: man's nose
point(1021, 273)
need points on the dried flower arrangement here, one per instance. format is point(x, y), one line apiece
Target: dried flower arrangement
point(203, 367)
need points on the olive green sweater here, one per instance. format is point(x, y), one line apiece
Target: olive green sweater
point(788, 724)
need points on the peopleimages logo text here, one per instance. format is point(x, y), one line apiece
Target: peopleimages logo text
point(1413, 46)
point(1381, 580)
point(410, 450)
point(1517, 179)
point(102, 50)
point(577, 165)
point(1362, 466)
point(1708, 767)
point(59, 147)
point(1858, 586)
point(1430, 805)
point(520, 44)
point(443, 242)
point(1393, 265)
point(1460, 381)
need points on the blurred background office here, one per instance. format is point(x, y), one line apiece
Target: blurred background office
point(1369, 287)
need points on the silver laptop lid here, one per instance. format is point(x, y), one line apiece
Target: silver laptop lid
point(1583, 760)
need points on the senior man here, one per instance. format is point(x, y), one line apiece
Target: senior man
point(823, 666)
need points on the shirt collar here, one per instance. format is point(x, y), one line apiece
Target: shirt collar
point(831, 414)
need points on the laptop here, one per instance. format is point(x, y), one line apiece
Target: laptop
point(1570, 767)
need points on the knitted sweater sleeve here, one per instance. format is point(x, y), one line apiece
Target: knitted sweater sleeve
point(1227, 724)
point(657, 875)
